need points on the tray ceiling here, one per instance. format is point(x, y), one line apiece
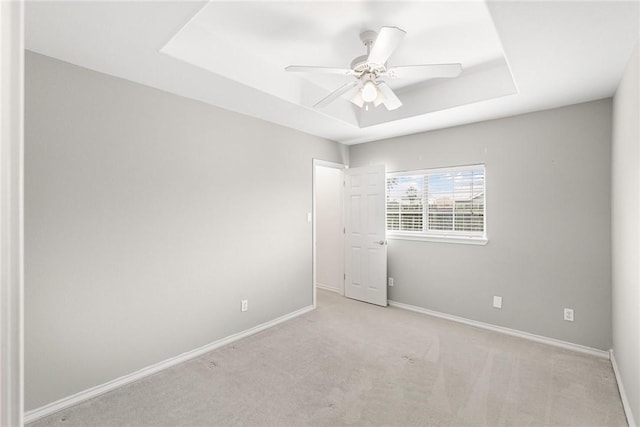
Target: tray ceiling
point(253, 43)
point(517, 56)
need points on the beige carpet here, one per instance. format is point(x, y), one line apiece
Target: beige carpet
point(351, 363)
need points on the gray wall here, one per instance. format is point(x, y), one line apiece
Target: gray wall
point(148, 218)
point(626, 231)
point(548, 222)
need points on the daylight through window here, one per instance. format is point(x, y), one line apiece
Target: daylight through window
point(441, 202)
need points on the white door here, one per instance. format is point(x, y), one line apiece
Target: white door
point(365, 236)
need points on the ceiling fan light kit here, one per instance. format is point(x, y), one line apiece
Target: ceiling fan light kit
point(371, 72)
point(369, 91)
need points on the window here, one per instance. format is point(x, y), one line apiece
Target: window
point(437, 204)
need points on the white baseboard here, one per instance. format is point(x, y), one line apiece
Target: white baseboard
point(513, 332)
point(623, 395)
point(328, 287)
point(74, 399)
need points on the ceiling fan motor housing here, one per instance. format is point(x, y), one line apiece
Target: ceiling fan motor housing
point(360, 65)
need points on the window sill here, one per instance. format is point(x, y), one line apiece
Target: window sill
point(463, 240)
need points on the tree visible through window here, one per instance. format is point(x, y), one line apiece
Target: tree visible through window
point(437, 201)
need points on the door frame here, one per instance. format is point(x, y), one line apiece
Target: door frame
point(11, 211)
point(322, 163)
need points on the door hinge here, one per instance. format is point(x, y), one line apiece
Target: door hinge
point(345, 276)
point(344, 230)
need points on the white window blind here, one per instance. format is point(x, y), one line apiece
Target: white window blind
point(444, 202)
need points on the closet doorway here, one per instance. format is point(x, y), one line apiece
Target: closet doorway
point(328, 226)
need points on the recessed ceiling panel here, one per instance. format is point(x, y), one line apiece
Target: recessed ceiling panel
point(232, 55)
point(252, 43)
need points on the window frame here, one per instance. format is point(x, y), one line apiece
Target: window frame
point(441, 236)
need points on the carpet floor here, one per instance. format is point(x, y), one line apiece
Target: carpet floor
point(351, 363)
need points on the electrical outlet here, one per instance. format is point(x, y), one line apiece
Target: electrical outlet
point(497, 302)
point(391, 281)
point(244, 305)
point(568, 314)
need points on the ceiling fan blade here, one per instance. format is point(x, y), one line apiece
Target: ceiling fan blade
point(314, 69)
point(379, 99)
point(427, 71)
point(357, 99)
point(387, 41)
point(336, 94)
point(391, 101)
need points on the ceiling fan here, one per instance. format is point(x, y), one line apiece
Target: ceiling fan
point(371, 72)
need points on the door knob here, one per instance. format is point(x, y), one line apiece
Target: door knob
point(381, 242)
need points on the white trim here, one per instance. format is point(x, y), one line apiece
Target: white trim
point(623, 395)
point(464, 240)
point(74, 399)
point(328, 287)
point(508, 331)
point(11, 212)
point(447, 169)
point(328, 164)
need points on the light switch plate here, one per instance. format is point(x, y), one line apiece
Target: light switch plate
point(497, 302)
point(568, 314)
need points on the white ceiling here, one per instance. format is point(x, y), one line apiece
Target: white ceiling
point(253, 43)
point(517, 56)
